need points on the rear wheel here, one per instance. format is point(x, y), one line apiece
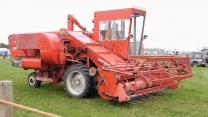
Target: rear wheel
point(203, 65)
point(32, 81)
point(17, 62)
point(77, 81)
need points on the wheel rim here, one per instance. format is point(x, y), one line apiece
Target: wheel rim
point(75, 82)
point(32, 80)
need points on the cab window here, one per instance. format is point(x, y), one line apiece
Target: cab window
point(113, 29)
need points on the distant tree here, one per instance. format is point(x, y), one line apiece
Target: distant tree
point(2, 45)
point(204, 49)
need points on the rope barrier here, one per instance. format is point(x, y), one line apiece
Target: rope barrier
point(29, 109)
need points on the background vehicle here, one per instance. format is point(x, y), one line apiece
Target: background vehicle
point(197, 58)
point(83, 60)
point(4, 52)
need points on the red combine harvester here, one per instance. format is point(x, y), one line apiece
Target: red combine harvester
point(102, 59)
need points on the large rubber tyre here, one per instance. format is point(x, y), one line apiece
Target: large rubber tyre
point(32, 81)
point(16, 62)
point(78, 83)
point(195, 64)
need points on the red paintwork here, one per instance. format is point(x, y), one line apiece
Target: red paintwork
point(34, 63)
point(71, 21)
point(119, 76)
point(50, 47)
point(119, 47)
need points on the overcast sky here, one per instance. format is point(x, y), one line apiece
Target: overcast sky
point(170, 24)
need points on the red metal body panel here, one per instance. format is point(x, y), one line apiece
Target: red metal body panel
point(119, 47)
point(27, 41)
point(24, 44)
point(14, 52)
point(50, 47)
point(34, 63)
point(80, 39)
point(113, 91)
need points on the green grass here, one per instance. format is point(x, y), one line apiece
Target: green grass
point(190, 100)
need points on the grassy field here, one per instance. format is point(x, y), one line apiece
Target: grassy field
point(190, 100)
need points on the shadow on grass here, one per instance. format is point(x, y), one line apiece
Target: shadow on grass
point(52, 88)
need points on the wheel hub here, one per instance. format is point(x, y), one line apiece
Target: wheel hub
point(77, 82)
point(32, 80)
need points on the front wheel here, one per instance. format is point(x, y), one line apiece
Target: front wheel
point(195, 64)
point(78, 83)
point(32, 80)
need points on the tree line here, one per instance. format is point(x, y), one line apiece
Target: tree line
point(2, 45)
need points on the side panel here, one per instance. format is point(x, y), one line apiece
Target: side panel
point(79, 39)
point(18, 43)
point(26, 41)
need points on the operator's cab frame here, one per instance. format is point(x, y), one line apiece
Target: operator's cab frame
point(131, 22)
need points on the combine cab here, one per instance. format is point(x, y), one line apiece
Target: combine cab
point(83, 60)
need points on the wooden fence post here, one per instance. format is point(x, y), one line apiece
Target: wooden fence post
point(6, 93)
